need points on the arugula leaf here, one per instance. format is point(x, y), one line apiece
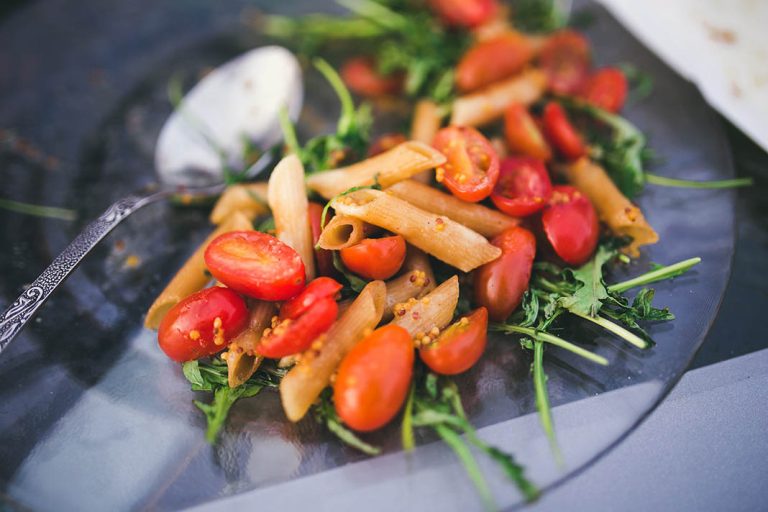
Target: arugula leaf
point(36, 210)
point(640, 82)
point(542, 400)
point(223, 398)
point(266, 226)
point(326, 413)
point(539, 15)
point(588, 298)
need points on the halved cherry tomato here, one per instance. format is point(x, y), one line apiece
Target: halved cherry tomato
point(561, 132)
point(256, 264)
point(473, 165)
point(386, 142)
point(565, 58)
point(570, 224)
point(523, 187)
point(493, 60)
point(202, 324)
point(375, 258)
point(607, 89)
point(294, 335)
point(361, 76)
point(523, 135)
point(323, 257)
point(500, 284)
point(373, 378)
point(464, 13)
point(320, 288)
point(459, 346)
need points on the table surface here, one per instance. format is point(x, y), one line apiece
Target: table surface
point(736, 332)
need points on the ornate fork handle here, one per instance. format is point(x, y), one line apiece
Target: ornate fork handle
point(21, 311)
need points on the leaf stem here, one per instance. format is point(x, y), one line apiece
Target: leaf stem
point(663, 181)
point(655, 275)
point(406, 429)
point(289, 132)
point(616, 329)
point(462, 451)
point(554, 340)
point(542, 400)
point(347, 117)
point(50, 212)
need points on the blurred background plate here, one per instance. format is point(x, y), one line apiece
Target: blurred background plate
point(93, 416)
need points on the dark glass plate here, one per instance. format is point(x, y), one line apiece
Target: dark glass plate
point(94, 417)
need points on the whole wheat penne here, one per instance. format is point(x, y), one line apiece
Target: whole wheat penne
point(343, 231)
point(399, 163)
point(287, 198)
point(489, 103)
point(432, 312)
point(312, 373)
point(416, 259)
point(437, 235)
point(192, 276)
point(424, 126)
point(241, 358)
point(613, 208)
point(249, 199)
point(484, 220)
point(410, 285)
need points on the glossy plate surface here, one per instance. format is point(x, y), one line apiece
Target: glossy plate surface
point(94, 417)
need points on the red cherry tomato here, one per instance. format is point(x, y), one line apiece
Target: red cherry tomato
point(570, 224)
point(523, 135)
point(565, 58)
point(256, 264)
point(202, 324)
point(373, 378)
point(492, 60)
point(375, 258)
point(294, 335)
point(607, 89)
point(464, 13)
point(361, 76)
point(472, 167)
point(500, 284)
point(459, 346)
point(523, 187)
point(386, 142)
point(323, 257)
point(320, 288)
point(561, 132)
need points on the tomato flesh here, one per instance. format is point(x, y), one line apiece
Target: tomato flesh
point(361, 76)
point(202, 324)
point(373, 379)
point(493, 60)
point(500, 284)
point(472, 166)
point(523, 135)
point(256, 264)
point(523, 188)
point(565, 58)
point(293, 335)
point(464, 13)
point(375, 258)
point(571, 225)
point(320, 288)
point(323, 257)
point(561, 132)
point(606, 89)
point(459, 346)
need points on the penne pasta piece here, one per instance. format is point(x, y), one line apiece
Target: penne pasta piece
point(287, 198)
point(249, 199)
point(425, 125)
point(425, 317)
point(489, 104)
point(192, 276)
point(411, 285)
point(241, 358)
point(343, 231)
point(416, 259)
point(439, 236)
point(312, 373)
point(399, 163)
point(613, 208)
point(486, 221)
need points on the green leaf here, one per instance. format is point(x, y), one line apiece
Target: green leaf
point(36, 210)
point(406, 427)
point(355, 283)
point(587, 300)
point(267, 225)
point(542, 400)
point(191, 370)
point(539, 15)
point(216, 412)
